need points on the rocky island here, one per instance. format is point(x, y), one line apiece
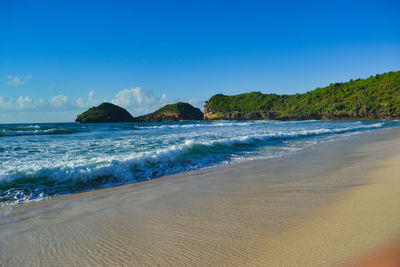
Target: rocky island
point(174, 112)
point(105, 112)
point(377, 97)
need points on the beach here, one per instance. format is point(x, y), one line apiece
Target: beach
point(328, 205)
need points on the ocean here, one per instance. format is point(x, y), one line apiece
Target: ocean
point(39, 161)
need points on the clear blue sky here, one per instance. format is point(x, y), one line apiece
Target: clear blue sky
point(59, 57)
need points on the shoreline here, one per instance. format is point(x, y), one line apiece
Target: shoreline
point(112, 161)
point(234, 214)
point(360, 228)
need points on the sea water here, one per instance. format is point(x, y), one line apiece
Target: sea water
point(38, 161)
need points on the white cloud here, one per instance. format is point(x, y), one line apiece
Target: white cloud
point(59, 101)
point(26, 103)
point(198, 103)
point(91, 100)
point(18, 80)
point(135, 95)
point(80, 103)
point(139, 101)
point(20, 103)
point(26, 109)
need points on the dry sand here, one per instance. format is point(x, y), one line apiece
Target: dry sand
point(326, 206)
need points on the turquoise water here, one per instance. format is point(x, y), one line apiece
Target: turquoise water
point(38, 161)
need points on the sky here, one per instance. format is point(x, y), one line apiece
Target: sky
point(58, 58)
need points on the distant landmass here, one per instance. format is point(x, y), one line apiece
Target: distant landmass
point(174, 112)
point(107, 112)
point(377, 97)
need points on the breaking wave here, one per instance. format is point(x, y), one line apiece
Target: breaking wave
point(193, 151)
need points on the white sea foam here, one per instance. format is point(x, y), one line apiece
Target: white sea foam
point(52, 164)
point(32, 132)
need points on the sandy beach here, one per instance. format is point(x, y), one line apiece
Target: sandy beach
point(330, 205)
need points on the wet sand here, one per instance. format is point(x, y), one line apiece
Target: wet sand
point(327, 206)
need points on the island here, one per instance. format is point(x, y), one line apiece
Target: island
point(108, 112)
point(174, 112)
point(105, 112)
point(377, 97)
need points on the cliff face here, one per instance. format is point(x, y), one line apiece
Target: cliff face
point(243, 115)
point(254, 115)
point(209, 114)
point(160, 116)
point(105, 112)
point(377, 97)
point(174, 112)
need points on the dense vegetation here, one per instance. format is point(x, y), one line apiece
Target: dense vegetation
point(105, 112)
point(375, 97)
point(180, 107)
point(173, 112)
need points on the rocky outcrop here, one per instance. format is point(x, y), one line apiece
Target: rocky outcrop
point(252, 115)
point(174, 112)
point(105, 112)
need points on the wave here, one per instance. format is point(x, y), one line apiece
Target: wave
point(24, 132)
point(76, 176)
point(204, 124)
point(29, 127)
point(223, 123)
point(29, 131)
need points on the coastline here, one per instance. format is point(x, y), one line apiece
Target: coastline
point(277, 211)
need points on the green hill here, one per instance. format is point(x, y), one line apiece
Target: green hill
point(105, 112)
point(173, 112)
point(377, 97)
